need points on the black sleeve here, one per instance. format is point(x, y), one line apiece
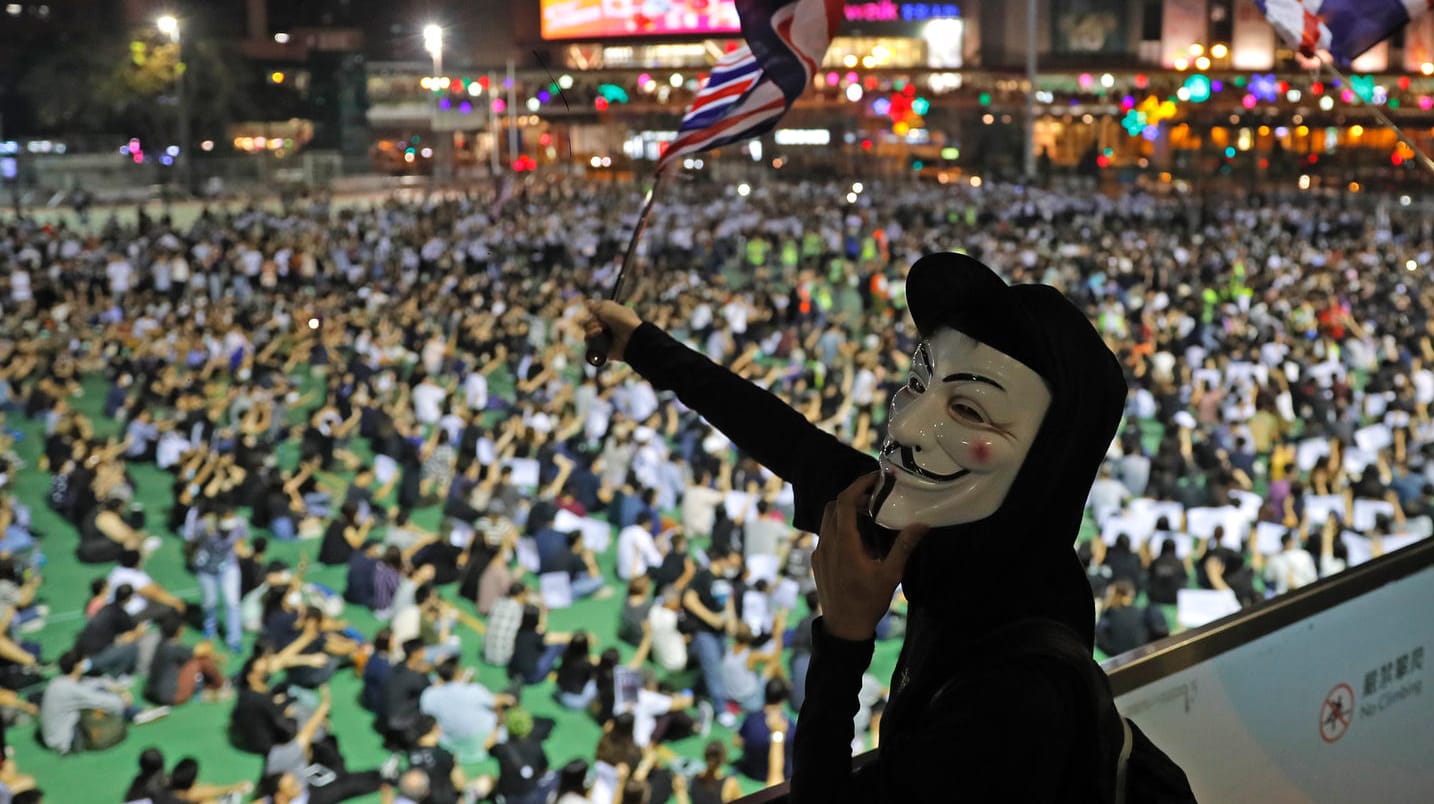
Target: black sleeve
point(1009, 734)
point(816, 464)
point(821, 746)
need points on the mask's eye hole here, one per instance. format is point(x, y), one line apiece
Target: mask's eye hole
point(915, 385)
point(967, 412)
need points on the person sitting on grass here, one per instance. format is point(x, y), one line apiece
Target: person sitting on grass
point(264, 715)
point(84, 714)
point(711, 785)
point(466, 711)
point(177, 670)
point(523, 773)
point(110, 639)
point(287, 764)
point(184, 785)
point(535, 649)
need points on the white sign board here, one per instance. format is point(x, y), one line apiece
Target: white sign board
point(1329, 709)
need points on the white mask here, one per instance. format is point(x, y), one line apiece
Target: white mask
point(957, 433)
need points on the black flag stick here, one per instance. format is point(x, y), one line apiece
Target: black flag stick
point(598, 345)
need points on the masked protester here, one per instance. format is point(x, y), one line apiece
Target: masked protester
point(993, 443)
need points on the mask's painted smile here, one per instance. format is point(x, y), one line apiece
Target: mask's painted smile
point(909, 464)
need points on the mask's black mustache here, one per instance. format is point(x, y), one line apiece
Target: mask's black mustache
point(879, 499)
point(908, 462)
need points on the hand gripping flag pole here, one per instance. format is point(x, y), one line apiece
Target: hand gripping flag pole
point(600, 344)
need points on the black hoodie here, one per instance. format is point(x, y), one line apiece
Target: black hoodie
point(1015, 729)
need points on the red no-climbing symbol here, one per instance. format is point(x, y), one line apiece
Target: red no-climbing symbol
point(1336, 713)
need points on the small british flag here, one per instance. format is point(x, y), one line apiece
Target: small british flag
point(751, 87)
point(1343, 28)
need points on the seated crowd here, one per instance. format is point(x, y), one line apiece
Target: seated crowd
point(367, 434)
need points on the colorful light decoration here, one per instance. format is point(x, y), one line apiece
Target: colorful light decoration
point(1198, 87)
point(1264, 88)
point(612, 93)
point(1363, 86)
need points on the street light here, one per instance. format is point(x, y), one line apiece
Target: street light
point(169, 26)
point(433, 43)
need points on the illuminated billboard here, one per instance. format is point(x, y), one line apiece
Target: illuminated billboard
point(598, 19)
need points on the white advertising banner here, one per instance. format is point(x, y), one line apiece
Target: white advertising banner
point(1252, 43)
point(1329, 709)
point(1184, 24)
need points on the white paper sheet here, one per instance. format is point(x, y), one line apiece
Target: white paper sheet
point(740, 505)
point(525, 472)
point(785, 594)
point(1203, 521)
point(1356, 460)
point(1366, 511)
point(605, 781)
point(1145, 507)
point(1138, 529)
point(762, 567)
point(1360, 549)
point(1318, 507)
point(1374, 437)
point(527, 551)
point(557, 589)
point(1197, 607)
point(597, 533)
point(1309, 452)
point(1184, 543)
point(1268, 536)
point(1248, 502)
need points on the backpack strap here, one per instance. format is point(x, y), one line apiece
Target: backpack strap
point(1122, 762)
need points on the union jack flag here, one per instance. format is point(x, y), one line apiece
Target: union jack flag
point(751, 87)
point(1344, 28)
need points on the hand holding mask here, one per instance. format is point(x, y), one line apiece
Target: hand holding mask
point(854, 585)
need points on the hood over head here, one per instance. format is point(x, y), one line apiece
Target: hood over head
point(1019, 561)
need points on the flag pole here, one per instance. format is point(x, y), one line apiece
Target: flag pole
point(1382, 117)
point(599, 344)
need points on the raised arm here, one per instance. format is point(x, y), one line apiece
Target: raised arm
point(755, 420)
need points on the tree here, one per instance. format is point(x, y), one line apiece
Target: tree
point(116, 84)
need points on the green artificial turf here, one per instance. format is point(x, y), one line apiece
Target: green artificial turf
point(199, 728)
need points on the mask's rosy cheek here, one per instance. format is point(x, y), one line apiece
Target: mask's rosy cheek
point(980, 453)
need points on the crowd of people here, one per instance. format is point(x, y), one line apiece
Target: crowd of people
point(334, 374)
